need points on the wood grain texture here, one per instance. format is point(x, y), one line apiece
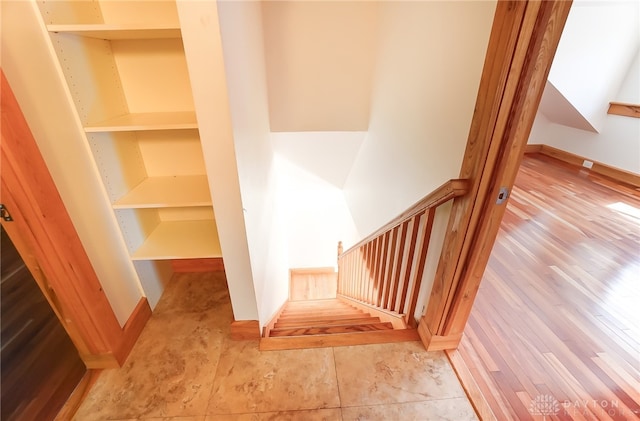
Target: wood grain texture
point(323, 341)
point(242, 330)
point(48, 240)
point(522, 44)
point(556, 313)
point(312, 283)
point(626, 110)
point(616, 174)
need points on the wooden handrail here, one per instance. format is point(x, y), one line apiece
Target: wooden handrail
point(447, 191)
point(385, 269)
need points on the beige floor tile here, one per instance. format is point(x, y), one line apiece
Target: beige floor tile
point(170, 370)
point(332, 414)
point(454, 409)
point(248, 380)
point(393, 373)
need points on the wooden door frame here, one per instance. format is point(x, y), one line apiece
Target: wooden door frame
point(522, 44)
point(48, 243)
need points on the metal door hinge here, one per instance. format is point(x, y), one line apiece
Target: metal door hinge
point(4, 213)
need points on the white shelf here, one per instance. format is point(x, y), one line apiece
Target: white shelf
point(145, 121)
point(181, 240)
point(119, 31)
point(172, 191)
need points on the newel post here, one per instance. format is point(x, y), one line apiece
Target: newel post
point(523, 41)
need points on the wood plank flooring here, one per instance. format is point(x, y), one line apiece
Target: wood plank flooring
point(555, 328)
point(40, 365)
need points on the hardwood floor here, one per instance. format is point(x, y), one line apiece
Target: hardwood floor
point(555, 329)
point(40, 365)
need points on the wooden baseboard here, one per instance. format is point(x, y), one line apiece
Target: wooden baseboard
point(617, 174)
point(213, 264)
point(267, 328)
point(133, 328)
point(396, 320)
point(436, 342)
point(242, 330)
point(471, 388)
point(77, 396)
point(347, 339)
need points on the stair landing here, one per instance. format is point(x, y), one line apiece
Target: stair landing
point(329, 322)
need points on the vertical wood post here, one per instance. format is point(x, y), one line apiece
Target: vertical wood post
point(523, 41)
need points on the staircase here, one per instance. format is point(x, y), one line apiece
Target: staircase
point(332, 322)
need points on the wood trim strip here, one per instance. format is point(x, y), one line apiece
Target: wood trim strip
point(523, 41)
point(133, 328)
point(617, 174)
point(471, 388)
point(447, 191)
point(323, 341)
point(243, 330)
point(623, 109)
point(59, 260)
point(437, 342)
point(267, 328)
point(213, 264)
point(78, 395)
point(385, 315)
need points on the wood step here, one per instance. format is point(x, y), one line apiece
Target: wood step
point(312, 317)
point(331, 322)
point(330, 330)
point(339, 339)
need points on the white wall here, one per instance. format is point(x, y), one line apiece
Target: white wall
point(33, 71)
point(241, 30)
point(429, 61)
point(316, 216)
point(597, 46)
point(618, 142)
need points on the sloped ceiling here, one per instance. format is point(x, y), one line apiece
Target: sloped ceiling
point(320, 58)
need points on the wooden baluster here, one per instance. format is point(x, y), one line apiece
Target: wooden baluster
point(409, 262)
point(373, 284)
point(367, 280)
point(391, 265)
point(391, 305)
point(361, 271)
point(417, 281)
point(384, 269)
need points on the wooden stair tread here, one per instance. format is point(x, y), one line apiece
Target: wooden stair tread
point(326, 322)
point(330, 330)
point(338, 339)
point(325, 316)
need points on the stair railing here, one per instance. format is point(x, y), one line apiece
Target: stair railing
point(385, 269)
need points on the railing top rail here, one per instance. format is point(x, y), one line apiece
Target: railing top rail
point(447, 191)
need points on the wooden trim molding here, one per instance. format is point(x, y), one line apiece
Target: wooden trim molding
point(471, 388)
point(133, 328)
point(242, 330)
point(447, 191)
point(267, 328)
point(523, 41)
point(620, 175)
point(212, 264)
point(626, 110)
point(48, 243)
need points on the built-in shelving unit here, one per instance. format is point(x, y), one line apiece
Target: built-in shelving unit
point(126, 70)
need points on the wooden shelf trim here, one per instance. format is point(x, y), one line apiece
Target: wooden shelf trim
point(145, 121)
point(119, 31)
point(181, 240)
point(169, 191)
point(623, 109)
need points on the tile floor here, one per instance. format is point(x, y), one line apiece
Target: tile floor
point(184, 367)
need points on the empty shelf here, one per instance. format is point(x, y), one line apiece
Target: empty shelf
point(162, 192)
point(119, 31)
point(181, 240)
point(145, 121)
